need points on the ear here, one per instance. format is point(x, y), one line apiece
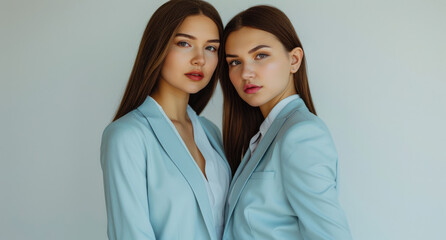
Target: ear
point(296, 56)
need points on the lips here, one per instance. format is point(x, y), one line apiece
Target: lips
point(195, 75)
point(251, 88)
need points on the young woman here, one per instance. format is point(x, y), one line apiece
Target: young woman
point(165, 174)
point(285, 185)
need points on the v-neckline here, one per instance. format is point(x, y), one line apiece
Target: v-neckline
point(194, 128)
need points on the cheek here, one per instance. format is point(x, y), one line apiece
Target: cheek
point(233, 76)
point(171, 60)
point(272, 69)
point(212, 61)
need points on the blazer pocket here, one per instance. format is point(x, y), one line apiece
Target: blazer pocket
point(262, 175)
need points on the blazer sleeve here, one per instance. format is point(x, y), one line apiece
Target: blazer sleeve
point(123, 161)
point(309, 169)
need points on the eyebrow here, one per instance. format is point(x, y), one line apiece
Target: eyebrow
point(250, 51)
point(194, 38)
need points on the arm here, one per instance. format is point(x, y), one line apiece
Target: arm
point(309, 163)
point(124, 171)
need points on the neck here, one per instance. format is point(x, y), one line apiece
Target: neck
point(174, 103)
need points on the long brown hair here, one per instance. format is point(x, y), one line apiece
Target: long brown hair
point(154, 46)
point(240, 120)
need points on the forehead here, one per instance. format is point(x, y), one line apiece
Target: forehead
point(199, 26)
point(247, 38)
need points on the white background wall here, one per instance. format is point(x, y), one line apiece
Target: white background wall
point(377, 75)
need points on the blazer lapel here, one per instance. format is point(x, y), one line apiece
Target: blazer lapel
point(245, 159)
point(234, 179)
point(180, 157)
point(215, 144)
point(249, 163)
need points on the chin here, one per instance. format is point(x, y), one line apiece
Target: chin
point(253, 102)
point(194, 90)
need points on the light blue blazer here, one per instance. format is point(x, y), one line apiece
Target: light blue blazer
point(153, 189)
point(287, 188)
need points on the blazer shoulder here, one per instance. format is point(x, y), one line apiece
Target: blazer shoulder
point(303, 128)
point(301, 121)
point(131, 127)
point(123, 141)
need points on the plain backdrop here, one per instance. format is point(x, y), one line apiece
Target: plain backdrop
point(377, 76)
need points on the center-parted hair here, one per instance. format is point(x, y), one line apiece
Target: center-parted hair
point(156, 40)
point(240, 120)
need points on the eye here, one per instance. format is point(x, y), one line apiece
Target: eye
point(261, 56)
point(211, 48)
point(183, 44)
point(234, 63)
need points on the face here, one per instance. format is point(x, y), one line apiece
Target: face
point(192, 57)
point(260, 68)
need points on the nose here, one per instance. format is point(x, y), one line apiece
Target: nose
point(198, 59)
point(248, 72)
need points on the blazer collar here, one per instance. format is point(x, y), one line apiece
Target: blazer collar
point(180, 157)
point(249, 163)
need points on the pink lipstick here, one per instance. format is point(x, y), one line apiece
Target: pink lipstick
point(251, 88)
